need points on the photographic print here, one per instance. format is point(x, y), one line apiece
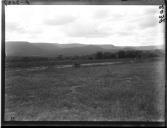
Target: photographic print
point(84, 63)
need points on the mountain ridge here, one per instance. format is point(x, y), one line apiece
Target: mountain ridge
point(24, 48)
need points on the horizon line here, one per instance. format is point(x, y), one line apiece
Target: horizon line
point(86, 44)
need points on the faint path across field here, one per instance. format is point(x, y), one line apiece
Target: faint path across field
point(88, 64)
point(67, 66)
point(32, 69)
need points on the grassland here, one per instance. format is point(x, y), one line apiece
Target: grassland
point(129, 91)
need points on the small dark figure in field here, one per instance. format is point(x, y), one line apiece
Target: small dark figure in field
point(77, 65)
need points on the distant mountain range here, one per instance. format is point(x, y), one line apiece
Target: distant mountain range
point(23, 48)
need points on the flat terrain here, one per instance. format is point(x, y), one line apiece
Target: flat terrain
point(126, 91)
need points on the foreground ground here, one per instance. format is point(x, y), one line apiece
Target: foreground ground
point(126, 91)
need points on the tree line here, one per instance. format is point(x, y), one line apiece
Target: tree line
point(137, 54)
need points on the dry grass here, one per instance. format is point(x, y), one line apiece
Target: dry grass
point(129, 91)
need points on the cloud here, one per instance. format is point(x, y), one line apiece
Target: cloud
point(146, 19)
point(101, 14)
point(151, 11)
point(127, 33)
point(149, 18)
point(14, 27)
point(86, 29)
point(130, 25)
point(15, 31)
point(147, 22)
point(60, 20)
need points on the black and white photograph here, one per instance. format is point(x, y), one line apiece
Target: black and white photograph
point(84, 63)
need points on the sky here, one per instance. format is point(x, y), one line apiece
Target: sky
point(120, 25)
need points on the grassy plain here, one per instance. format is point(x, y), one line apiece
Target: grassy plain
point(129, 91)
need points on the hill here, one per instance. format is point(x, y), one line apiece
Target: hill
point(23, 48)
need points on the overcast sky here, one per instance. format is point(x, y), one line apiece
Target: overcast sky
point(87, 24)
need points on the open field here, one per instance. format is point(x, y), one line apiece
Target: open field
point(126, 91)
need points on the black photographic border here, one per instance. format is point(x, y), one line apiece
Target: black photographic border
point(74, 123)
